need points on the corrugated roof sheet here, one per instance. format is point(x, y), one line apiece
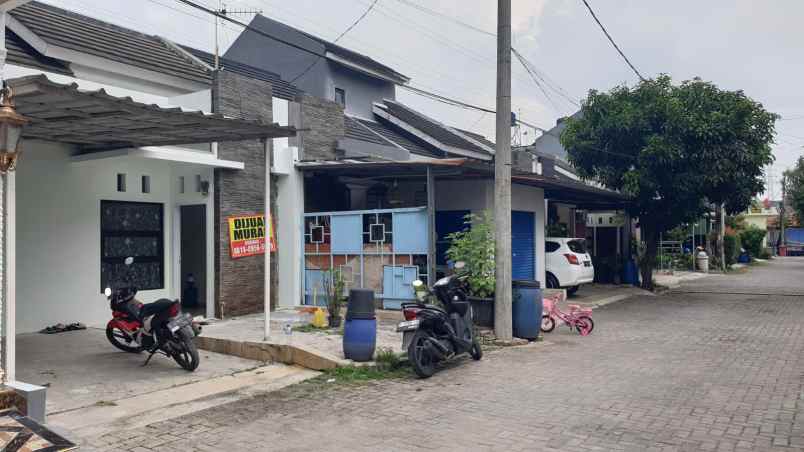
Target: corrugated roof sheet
point(20, 53)
point(280, 88)
point(77, 32)
point(375, 132)
point(431, 127)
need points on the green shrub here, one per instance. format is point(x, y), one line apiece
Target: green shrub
point(751, 240)
point(731, 245)
point(475, 247)
point(387, 359)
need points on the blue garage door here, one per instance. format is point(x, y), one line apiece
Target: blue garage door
point(523, 244)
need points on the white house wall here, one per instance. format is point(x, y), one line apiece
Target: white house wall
point(58, 224)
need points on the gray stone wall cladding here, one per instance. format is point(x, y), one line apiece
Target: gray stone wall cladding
point(323, 122)
point(239, 282)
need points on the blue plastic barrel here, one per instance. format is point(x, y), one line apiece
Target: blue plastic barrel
point(359, 339)
point(526, 309)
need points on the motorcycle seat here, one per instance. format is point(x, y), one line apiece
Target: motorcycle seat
point(154, 308)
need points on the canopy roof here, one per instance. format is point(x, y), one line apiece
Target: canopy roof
point(95, 120)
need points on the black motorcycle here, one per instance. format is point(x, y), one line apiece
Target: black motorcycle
point(158, 327)
point(433, 333)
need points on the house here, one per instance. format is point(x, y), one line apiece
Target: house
point(136, 147)
point(599, 217)
point(381, 184)
point(762, 215)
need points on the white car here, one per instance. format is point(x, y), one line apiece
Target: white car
point(568, 263)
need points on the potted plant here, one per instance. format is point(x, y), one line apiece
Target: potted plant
point(475, 247)
point(333, 286)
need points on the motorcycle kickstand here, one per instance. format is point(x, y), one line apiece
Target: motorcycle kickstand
point(149, 358)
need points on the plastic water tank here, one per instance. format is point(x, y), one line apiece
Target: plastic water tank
point(359, 339)
point(526, 309)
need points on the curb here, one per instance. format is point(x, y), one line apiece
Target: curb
point(269, 352)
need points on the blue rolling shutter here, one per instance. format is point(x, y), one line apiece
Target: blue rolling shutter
point(523, 245)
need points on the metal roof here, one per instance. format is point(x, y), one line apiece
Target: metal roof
point(70, 30)
point(94, 120)
point(433, 128)
point(279, 88)
point(22, 54)
point(375, 132)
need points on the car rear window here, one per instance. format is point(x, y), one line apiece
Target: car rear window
point(551, 247)
point(577, 246)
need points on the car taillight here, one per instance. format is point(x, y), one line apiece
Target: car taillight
point(174, 310)
point(410, 313)
point(572, 259)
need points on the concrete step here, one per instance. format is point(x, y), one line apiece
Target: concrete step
point(143, 409)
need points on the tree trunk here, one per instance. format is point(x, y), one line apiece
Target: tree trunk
point(648, 260)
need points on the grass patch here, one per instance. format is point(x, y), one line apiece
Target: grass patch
point(309, 328)
point(359, 374)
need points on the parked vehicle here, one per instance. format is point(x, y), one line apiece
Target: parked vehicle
point(568, 263)
point(578, 319)
point(158, 327)
point(432, 333)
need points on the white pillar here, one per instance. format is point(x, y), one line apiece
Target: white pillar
point(10, 280)
point(268, 224)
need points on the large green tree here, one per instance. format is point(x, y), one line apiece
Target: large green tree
point(794, 178)
point(673, 150)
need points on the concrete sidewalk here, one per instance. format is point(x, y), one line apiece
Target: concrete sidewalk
point(597, 295)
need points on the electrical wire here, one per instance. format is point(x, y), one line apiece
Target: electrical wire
point(535, 79)
point(348, 29)
point(611, 40)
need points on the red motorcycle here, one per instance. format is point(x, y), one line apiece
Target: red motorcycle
point(158, 327)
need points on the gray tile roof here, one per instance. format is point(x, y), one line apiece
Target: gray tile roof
point(22, 54)
point(435, 129)
point(77, 32)
point(378, 133)
point(280, 88)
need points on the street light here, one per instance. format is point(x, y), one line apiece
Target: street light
point(11, 124)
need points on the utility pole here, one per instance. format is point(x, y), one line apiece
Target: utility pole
point(502, 178)
point(782, 241)
point(721, 237)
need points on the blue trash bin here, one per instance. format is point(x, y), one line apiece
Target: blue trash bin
point(526, 309)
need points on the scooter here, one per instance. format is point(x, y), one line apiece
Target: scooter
point(431, 333)
point(158, 327)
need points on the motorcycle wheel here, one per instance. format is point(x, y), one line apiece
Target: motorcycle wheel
point(120, 340)
point(476, 352)
point(423, 364)
point(187, 355)
point(548, 324)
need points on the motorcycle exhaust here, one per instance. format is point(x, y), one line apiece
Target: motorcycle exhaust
point(437, 349)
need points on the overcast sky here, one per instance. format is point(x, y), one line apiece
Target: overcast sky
point(737, 44)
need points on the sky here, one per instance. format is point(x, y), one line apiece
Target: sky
point(737, 44)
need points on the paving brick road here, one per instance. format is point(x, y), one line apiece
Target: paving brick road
point(676, 372)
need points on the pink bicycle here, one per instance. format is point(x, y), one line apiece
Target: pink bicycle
point(578, 318)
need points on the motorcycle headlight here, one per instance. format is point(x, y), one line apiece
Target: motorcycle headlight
point(108, 292)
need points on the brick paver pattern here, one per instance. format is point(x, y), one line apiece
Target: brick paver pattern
point(678, 372)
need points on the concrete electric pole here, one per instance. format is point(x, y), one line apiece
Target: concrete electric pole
point(502, 177)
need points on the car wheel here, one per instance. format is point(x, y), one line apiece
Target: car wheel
point(552, 281)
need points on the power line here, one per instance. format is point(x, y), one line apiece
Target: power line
point(348, 29)
point(611, 40)
point(535, 79)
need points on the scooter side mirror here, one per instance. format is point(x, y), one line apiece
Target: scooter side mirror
point(129, 260)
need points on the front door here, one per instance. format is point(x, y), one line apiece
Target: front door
point(193, 263)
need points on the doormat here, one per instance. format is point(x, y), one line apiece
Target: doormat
point(22, 434)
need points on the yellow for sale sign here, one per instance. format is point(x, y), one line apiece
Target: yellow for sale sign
point(247, 235)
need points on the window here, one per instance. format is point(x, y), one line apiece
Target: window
point(340, 97)
point(577, 246)
point(132, 229)
point(181, 184)
point(121, 182)
point(550, 247)
point(146, 184)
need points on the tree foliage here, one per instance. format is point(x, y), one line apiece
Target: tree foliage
point(794, 178)
point(672, 149)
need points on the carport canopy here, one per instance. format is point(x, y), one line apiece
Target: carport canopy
point(95, 120)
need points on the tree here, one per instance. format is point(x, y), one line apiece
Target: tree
point(795, 187)
point(673, 150)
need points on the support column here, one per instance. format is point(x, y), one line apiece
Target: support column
point(431, 229)
point(268, 226)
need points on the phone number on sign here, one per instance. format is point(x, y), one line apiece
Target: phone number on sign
point(255, 248)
